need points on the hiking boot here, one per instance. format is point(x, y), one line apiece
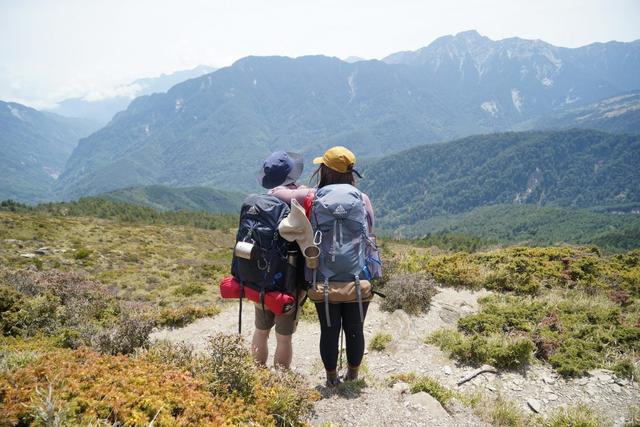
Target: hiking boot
point(352, 374)
point(332, 379)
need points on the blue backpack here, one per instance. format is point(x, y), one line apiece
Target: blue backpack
point(347, 253)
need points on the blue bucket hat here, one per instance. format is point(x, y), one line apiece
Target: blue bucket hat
point(281, 168)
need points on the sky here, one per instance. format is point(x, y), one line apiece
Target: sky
point(56, 49)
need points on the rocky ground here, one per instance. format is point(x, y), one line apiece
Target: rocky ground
point(538, 389)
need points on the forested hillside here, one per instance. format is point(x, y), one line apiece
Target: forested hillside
point(570, 169)
point(34, 147)
point(164, 198)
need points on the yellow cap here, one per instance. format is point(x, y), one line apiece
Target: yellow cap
point(338, 158)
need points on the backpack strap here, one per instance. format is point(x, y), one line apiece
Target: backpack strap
point(359, 297)
point(326, 301)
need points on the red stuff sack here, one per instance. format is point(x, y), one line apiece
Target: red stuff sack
point(276, 301)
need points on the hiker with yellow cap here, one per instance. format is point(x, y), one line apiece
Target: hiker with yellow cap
point(342, 221)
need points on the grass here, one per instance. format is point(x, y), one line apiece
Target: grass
point(572, 331)
point(419, 383)
point(380, 341)
point(161, 265)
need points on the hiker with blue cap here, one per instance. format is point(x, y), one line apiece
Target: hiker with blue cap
point(279, 173)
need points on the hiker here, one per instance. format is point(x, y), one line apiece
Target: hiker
point(346, 308)
point(279, 174)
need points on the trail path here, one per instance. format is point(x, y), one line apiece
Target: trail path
point(378, 405)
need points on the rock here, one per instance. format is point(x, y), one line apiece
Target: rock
point(14, 241)
point(552, 397)
point(28, 255)
point(616, 388)
point(43, 251)
point(534, 405)
point(605, 378)
point(591, 391)
point(448, 315)
point(431, 405)
point(447, 370)
point(549, 379)
point(401, 388)
point(583, 381)
point(518, 381)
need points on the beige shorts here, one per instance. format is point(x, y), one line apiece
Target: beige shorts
point(286, 324)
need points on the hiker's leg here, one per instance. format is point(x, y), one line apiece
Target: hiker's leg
point(286, 325)
point(354, 336)
point(264, 321)
point(329, 338)
point(260, 346)
point(284, 351)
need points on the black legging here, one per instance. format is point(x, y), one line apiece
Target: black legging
point(343, 316)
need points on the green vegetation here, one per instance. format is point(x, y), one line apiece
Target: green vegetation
point(163, 198)
point(96, 207)
point(167, 384)
point(434, 388)
point(570, 307)
point(568, 169)
point(34, 147)
point(380, 341)
point(483, 227)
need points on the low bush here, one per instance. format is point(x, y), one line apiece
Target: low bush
point(183, 315)
point(411, 292)
point(89, 388)
point(189, 289)
point(528, 271)
point(572, 331)
point(501, 351)
point(380, 341)
point(434, 388)
point(81, 253)
point(227, 368)
point(76, 311)
point(576, 416)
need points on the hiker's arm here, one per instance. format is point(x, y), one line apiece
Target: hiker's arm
point(287, 194)
point(369, 208)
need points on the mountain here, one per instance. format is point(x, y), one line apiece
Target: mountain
point(163, 198)
point(618, 114)
point(34, 147)
point(568, 169)
point(215, 129)
point(102, 110)
point(515, 78)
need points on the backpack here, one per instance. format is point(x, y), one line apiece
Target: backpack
point(266, 269)
point(339, 221)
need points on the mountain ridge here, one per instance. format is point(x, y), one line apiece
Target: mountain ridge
point(306, 104)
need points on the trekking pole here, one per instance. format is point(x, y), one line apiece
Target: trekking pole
point(341, 347)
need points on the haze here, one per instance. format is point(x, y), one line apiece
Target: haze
point(52, 50)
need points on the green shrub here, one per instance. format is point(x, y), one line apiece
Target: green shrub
point(434, 388)
point(411, 292)
point(380, 341)
point(189, 289)
point(496, 350)
point(81, 253)
point(572, 331)
point(227, 368)
point(575, 416)
point(183, 315)
point(625, 368)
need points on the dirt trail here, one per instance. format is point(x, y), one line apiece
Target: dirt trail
point(378, 405)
